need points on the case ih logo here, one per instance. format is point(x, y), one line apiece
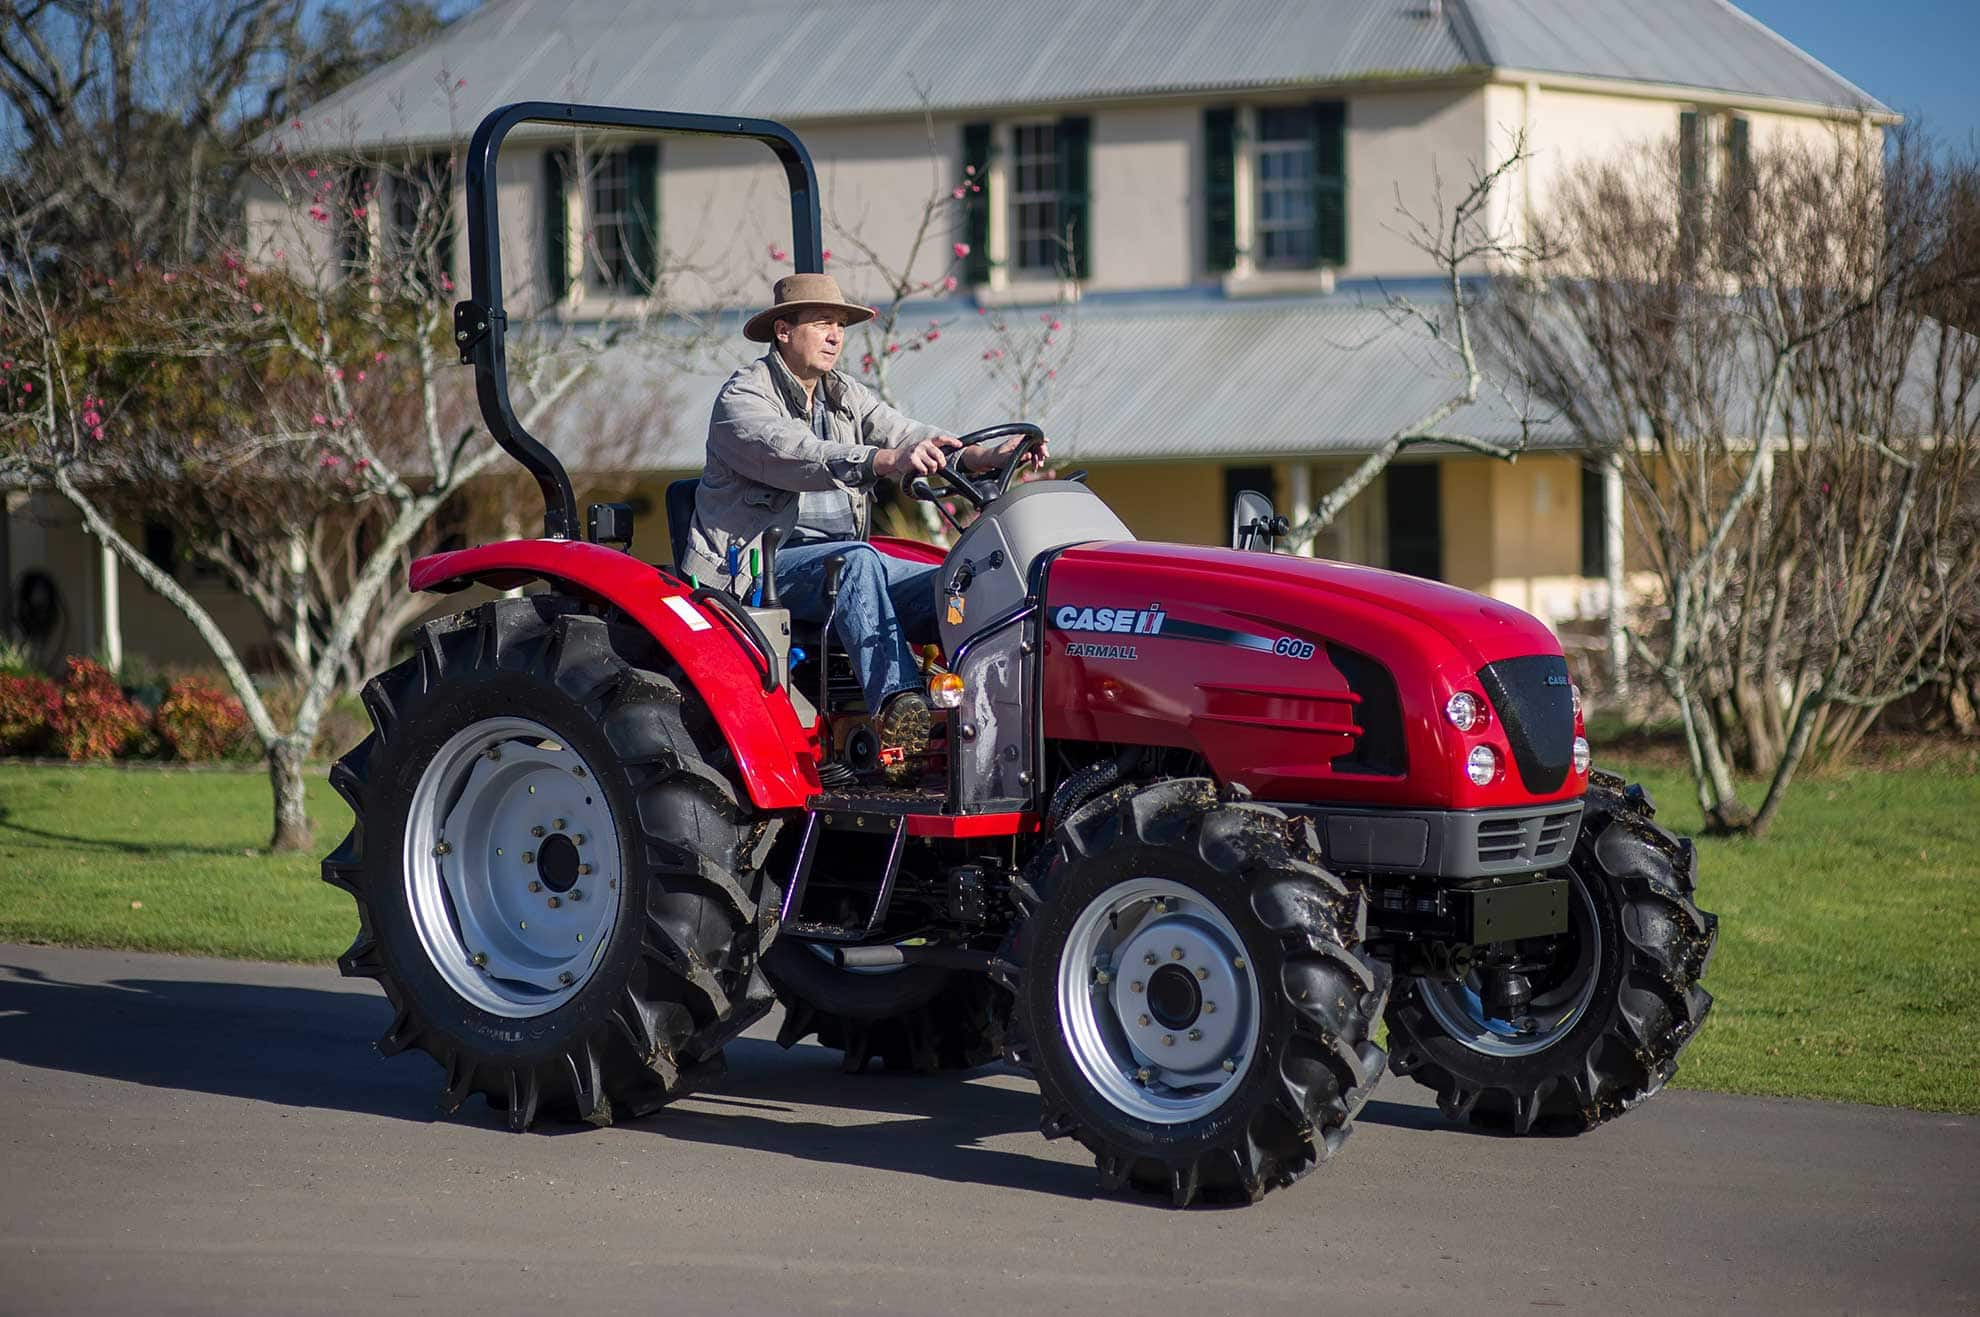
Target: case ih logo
point(1119, 621)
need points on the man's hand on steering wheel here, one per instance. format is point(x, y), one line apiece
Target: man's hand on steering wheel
point(918, 459)
point(984, 457)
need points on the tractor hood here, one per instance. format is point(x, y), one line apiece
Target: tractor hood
point(1303, 592)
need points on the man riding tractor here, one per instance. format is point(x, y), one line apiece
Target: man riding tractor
point(794, 450)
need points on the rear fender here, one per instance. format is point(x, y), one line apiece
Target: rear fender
point(775, 754)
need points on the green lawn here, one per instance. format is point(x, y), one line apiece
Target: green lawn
point(1847, 964)
point(154, 860)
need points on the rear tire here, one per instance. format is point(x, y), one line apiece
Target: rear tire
point(1195, 1003)
point(1614, 1039)
point(476, 925)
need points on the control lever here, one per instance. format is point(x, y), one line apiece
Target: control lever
point(767, 583)
point(835, 567)
point(921, 489)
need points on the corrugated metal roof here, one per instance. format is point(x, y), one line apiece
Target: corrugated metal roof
point(821, 59)
point(1693, 43)
point(1138, 379)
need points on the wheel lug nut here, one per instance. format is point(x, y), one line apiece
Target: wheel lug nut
point(1209, 1008)
point(556, 825)
point(1202, 973)
point(566, 978)
point(536, 831)
point(578, 839)
point(1196, 1035)
point(529, 857)
point(536, 887)
point(442, 848)
point(577, 894)
point(1143, 1075)
point(1149, 959)
point(1237, 962)
point(480, 959)
point(554, 903)
point(1230, 1067)
point(494, 752)
point(1168, 1040)
point(1175, 953)
point(1141, 1020)
point(1135, 986)
point(1102, 977)
point(1161, 907)
point(583, 869)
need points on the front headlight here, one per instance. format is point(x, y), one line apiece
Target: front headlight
point(1482, 765)
point(1581, 754)
point(1465, 711)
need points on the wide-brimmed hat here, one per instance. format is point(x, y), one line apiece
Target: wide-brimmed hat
point(795, 292)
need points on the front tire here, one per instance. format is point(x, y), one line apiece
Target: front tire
point(1195, 1004)
point(1610, 1017)
point(552, 874)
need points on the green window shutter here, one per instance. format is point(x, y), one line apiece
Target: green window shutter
point(1330, 182)
point(1220, 187)
point(441, 171)
point(643, 229)
point(556, 226)
point(1688, 151)
point(1075, 138)
point(976, 205)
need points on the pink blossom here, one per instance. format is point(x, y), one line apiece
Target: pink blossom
point(825, 255)
point(229, 261)
point(257, 308)
point(312, 173)
point(986, 354)
point(90, 418)
point(241, 282)
point(28, 387)
point(1048, 340)
point(297, 125)
point(892, 348)
point(949, 507)
point(357, 212)
point(281, 253)
point(364, 464)
point(320, 215)
point(97, 433)
point(460, 84)
point(360, 376)
point(934, 334)
point(969, 169)
point(447, 283)
point(777, 253)
point(378, 357)
point(1051, 374)
point(983, 310)
point(318, 418)
point(949, 284)
point(6, 365)
point(960, 192)
point(337, 372)
point(1055, 326)
point(331, 460)
point(961, 250)
point(168, 278)
point(1045, 319)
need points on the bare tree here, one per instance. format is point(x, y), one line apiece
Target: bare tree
point(290, 409)
point(1464, 245)
point(1766, 358)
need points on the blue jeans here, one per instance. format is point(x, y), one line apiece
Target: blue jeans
point(884, 604)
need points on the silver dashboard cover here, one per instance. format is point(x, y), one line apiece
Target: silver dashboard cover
point(1030, 520)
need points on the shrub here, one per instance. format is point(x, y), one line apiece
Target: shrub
point(199, 721)
point(28, 706)
point(93, 720)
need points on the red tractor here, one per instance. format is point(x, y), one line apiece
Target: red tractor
point(1199, 819)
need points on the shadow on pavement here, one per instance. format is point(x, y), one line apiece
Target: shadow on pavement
point(305, 1047)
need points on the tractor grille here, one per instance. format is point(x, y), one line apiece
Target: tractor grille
point(1538, 839)
point(1536, 706)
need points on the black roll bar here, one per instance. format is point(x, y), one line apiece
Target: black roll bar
point(481, 324)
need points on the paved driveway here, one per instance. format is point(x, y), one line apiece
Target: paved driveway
point(203, 1136)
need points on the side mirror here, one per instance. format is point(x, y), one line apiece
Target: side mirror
point(1254, 524)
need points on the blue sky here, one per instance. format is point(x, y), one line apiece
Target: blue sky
point(1920, 57)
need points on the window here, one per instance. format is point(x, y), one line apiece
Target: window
point(421, 219)
point(1037, 237)
point(1413, 500)
point(352, 220)
point(1289, 163)
point(607, 256)
point(1594, 524)
point(1283, 170)
point(161, 546)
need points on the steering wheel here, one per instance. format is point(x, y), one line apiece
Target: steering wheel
point(983, 489)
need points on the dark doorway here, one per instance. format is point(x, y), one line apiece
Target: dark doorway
point(1416, 519)
point(1258, 479)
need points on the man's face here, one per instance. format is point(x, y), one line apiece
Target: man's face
point(811, 342)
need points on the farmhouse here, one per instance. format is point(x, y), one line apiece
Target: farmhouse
point(1210, 198)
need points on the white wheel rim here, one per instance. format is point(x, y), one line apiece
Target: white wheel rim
point(513, 918)
point(1132, 962)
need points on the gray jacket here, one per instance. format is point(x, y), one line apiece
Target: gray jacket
point(762, 452)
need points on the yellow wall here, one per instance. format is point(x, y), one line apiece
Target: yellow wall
point(1180, 501)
